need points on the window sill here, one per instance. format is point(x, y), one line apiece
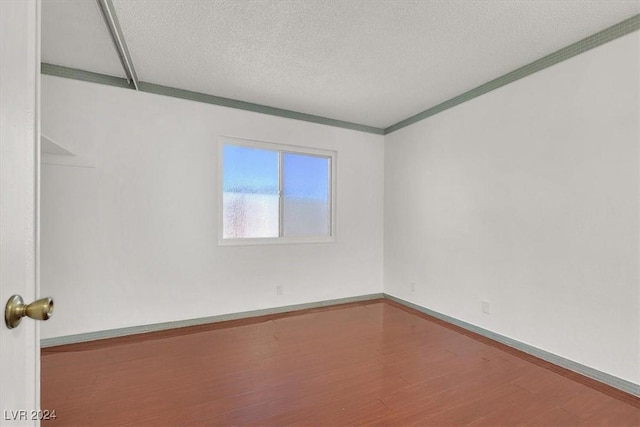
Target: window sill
point(276, 241)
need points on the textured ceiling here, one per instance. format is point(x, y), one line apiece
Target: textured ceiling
point(75, 35)
point(368, 62)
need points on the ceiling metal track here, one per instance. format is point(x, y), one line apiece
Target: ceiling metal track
point(110, 18)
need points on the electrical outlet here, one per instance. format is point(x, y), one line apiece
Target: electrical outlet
point(486, 307)
point(279, 290)
point(412, 286)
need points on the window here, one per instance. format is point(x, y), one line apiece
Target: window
point(273, 193)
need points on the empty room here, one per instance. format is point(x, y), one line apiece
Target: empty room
point(320, 212)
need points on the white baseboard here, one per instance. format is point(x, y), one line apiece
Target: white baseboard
point(603, 377)
point(134, 330)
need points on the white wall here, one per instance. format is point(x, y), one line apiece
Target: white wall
point(527, 197)
point(132, 240)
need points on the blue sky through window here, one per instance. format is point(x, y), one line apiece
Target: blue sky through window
point(250, 170)
point(306, 176)
point(253, 170)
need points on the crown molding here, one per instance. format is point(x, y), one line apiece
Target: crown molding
point(88, 76)
point(609, 34)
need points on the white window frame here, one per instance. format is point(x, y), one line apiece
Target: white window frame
point(280, 148)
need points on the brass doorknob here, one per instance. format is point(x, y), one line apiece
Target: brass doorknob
point(16, 309)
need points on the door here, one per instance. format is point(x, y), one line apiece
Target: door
point(19, 180)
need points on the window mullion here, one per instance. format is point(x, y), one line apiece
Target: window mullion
point(280, 196)
point(330, 196)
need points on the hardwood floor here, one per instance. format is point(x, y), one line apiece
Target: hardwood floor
point(374, 363)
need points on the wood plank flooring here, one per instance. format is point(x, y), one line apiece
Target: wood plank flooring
point(374, 363)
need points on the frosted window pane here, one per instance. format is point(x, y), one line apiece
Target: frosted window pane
point(305, 185)
point(250, 192)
